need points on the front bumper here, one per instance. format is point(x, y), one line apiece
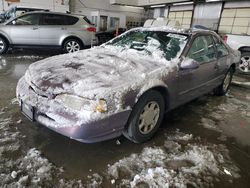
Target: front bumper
point(59, 119)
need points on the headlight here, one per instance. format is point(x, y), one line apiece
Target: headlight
point(101, 106)
point(79, 103)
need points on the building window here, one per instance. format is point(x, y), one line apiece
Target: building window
point(162, 12)
point(94, 20)
point(114, 22)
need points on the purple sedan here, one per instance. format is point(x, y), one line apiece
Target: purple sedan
point(126, 85)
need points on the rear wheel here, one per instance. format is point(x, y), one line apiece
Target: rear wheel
point(244, 66)
point(3, 45)
point(145, 117)
point(224, 87)
point(72, 45)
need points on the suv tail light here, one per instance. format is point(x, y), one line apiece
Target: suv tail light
point(91, 29)
point(225, 38)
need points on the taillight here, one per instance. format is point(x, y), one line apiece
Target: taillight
point(225, 38)
point(91, 29)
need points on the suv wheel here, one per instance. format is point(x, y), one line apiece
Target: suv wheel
point(3, 46)
point(224, 87)
point(145, 117)
point(244, 65)
point(72, 45)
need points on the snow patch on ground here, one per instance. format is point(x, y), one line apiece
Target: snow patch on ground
point(176, 164)
point(210, 124)
point(180, 162)
point(31, 57)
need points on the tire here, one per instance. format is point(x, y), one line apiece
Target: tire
point(3, 45)
point(151, 102)
point(244, 66)
point(72, 45)
point(224, 87)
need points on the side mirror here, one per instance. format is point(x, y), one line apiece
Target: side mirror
point(188, 64)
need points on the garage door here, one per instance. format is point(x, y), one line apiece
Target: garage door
point(184, 17)
point(235, 21)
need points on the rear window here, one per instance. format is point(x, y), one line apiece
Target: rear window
point(87, 20)
point(70, 20)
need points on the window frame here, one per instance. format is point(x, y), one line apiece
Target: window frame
point(70, 17)
point(20, 17)
point(44, 14)
point(192, 41)
point(217, 51)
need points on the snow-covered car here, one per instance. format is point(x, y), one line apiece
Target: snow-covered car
point(126, 85)
point(241, 43)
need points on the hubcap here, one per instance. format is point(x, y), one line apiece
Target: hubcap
point(245, 64)
point(2, 45)
point(149, 117)
point(72, 46)
point(227, 81)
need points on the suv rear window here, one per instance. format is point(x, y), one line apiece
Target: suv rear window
point(87, 20)
point(70, 20)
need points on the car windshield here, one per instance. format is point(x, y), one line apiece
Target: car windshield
point(169, 44)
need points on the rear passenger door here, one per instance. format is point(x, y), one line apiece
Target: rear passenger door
point(195, 82)
point(52, 29)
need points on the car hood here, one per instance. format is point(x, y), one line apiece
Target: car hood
point(95, 71)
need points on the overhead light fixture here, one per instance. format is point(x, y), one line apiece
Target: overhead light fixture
point(157, 6)
point(127, 6)
point(209, 1)
point(184, 3)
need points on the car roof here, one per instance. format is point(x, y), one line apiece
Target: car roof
point(49, 12)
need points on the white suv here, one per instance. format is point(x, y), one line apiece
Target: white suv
point(241, 43)
point(47, 29)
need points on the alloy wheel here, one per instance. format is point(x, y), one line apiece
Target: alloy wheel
point(2, 45)
point(244, 65)
point(73, 46)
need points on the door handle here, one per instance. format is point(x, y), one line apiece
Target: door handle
point(35, 28)
point(64, 28)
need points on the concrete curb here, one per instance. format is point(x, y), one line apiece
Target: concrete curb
point(241, 84)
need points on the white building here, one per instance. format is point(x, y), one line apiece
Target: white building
point(53, 5)
point(107, 16)
point(224, 16)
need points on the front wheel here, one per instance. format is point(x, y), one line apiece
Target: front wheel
point(224, 87)
point(3, 46)
point(145, 117)
point(72, 45)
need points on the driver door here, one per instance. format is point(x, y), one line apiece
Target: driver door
point(25, 30)
point(193, 83)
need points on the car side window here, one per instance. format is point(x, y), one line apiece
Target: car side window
point(221, 48)
point(30, 19)
point(202, 49)
point(52, 19)
point(70, 20)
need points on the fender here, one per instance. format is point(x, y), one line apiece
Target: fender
point(151, 84)
point(70, 35)
point(5, 35)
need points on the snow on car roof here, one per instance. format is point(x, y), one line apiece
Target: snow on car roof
point(177, 29)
